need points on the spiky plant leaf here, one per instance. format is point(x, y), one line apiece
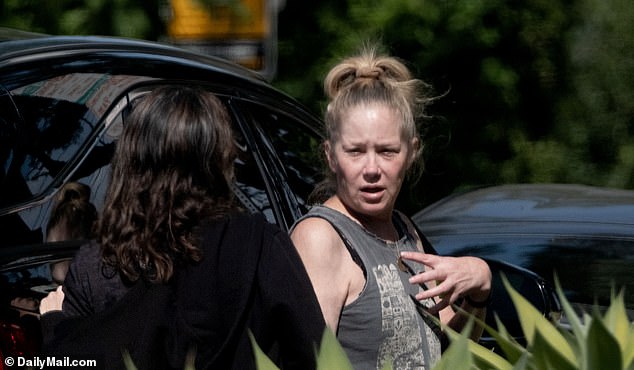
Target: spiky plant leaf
point(603, 349)
point(570, 314)
point(457, 356)
point(617, 323)
point(331, 354)
point(547, 356)
point(509, 346)
point(533, 322)
point(483, 357)
point(127, 360)
point(628, 352)
point(525, 362)
point(262, 361)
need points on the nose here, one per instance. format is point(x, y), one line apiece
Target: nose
point(371, 170)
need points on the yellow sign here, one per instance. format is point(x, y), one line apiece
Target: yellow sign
point(192, 20)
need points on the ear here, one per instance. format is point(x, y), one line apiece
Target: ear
point(332, 163)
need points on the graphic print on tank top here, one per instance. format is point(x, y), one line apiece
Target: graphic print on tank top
point(403, 343)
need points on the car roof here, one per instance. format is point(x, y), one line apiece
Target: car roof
point(30, 49)
point(556, 208)
point(30, 45)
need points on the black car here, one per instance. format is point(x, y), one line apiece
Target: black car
point(63, 103)
point(582, 234)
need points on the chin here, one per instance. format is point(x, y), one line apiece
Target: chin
point(376, 210)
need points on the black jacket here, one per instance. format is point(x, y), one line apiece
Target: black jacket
point(250, 279)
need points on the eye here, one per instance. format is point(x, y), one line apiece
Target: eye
point(353, 150)
point(389, 152)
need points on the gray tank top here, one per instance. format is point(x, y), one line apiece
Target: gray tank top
point(383, 323)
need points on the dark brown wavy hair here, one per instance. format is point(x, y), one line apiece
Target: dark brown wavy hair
point(173, 166)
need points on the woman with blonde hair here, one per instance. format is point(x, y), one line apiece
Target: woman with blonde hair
point(375, 276)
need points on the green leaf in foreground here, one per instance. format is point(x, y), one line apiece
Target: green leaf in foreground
point(331, 354)
point(262, 361)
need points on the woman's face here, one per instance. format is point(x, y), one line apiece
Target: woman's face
point(370, 159)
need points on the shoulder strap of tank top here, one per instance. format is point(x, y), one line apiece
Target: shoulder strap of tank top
point(410, 225)
point(336, 219)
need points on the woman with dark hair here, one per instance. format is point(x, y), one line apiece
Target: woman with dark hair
point(72, 218)
point(176, 266)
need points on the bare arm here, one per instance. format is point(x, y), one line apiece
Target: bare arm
point(328, 264)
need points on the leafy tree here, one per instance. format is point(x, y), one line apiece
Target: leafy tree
point(126, 18)
point(532, 91)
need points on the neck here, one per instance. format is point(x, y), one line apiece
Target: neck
point(383, 227)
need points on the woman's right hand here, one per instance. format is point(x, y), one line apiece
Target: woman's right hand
point(53, 301)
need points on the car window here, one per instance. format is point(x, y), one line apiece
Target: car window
point(66, 129)
point(249, 188)
point(294, 149)
point(52, 131)
point(589, 267)
point(9, 121)
point(55, 118)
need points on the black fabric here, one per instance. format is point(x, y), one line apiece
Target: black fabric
point(250, 279)
point(138, 323)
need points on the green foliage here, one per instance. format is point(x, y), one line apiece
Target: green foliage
point(136, 19)
point(593, 341)
point(329, 356)
point(533, 91)
point(190, 359)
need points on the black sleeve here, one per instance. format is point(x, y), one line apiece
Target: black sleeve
point(76, 297)
point(295, 315)
point(77, 284)
point(48, 322)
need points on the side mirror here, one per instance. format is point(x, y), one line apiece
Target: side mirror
point(530, 285)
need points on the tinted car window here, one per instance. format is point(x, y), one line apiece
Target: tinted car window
point(588, 268)
point(51, 133)
point(8, 122)
point(291, 147)
point(63, 129)
point(55, 119)
point(52, 138)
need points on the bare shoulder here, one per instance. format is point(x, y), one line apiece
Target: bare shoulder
point(319, 243)
point(329, 265)
point(315, 232)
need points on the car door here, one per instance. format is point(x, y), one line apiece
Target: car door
point(289, 147)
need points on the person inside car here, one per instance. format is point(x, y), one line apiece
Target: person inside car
point(177, 269)
point(71, 218)
point(377, 287)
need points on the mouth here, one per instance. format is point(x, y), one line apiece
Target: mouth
point(372, 192)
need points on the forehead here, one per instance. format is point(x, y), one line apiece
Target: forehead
point(369, 119)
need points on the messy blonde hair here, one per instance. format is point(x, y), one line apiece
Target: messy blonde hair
point(370, 78)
